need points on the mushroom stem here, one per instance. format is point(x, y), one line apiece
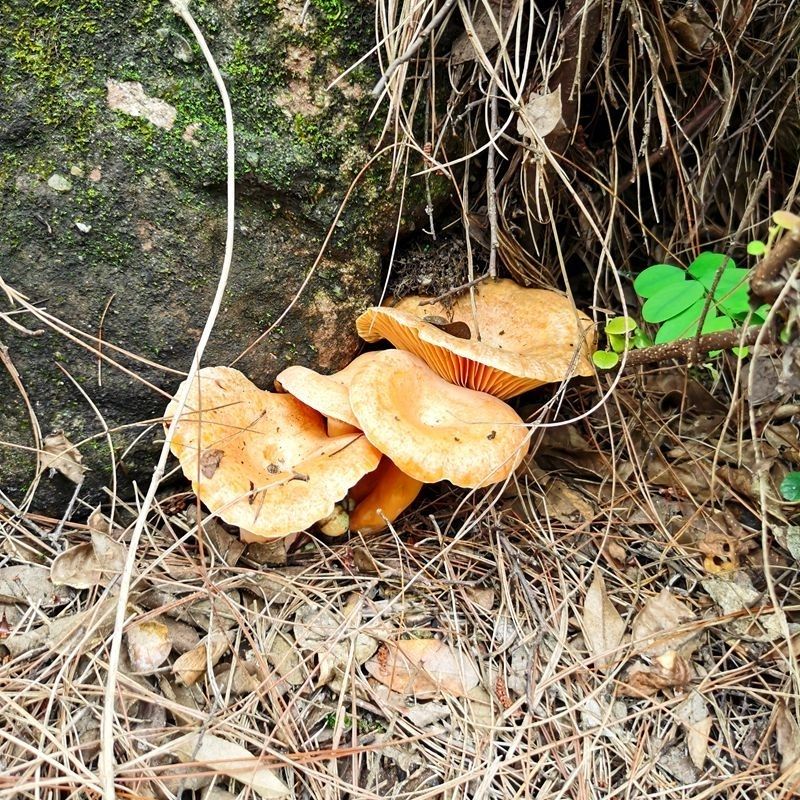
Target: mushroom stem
point(392, 493)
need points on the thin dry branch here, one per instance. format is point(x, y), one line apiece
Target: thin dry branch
point(764, 282)
point(689, 349)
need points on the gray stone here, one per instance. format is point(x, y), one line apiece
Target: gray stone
point(58, 183)
point(144, 278)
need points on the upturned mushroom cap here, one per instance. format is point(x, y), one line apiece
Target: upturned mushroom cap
point(431, 429)
point(518, 338)
point(263, 461)
point(324, 393)
point(389, 492)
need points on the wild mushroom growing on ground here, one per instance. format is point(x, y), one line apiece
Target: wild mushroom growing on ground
point(431, 429)
point(381, 495)
point(510, 340)
point(263, 461)
point(327, 394)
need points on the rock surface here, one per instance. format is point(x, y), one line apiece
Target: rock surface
point(112, 186)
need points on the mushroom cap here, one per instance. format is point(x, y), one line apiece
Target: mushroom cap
point(324, 393)
point(431, 429)
point(260, 460)
point(528, 337)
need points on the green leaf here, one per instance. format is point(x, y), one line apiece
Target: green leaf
point(642, 340)
point(790, 487)
point(603, 359)
point(756, 248)
point(732, 294)
point(705, 266)
point(760, 315)
point(617, 342)
point(740, 352)
point(714, 324)
point(620, 326)
point(671, 301)
point(684, 325)
point(655, 278)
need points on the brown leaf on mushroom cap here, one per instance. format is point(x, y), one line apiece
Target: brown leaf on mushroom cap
point(277, 472)
point(431, 429)
point(520, 338)
point(327, 394)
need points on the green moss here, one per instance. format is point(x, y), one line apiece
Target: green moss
point(343, 24)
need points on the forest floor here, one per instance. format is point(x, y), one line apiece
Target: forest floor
point(615, 622)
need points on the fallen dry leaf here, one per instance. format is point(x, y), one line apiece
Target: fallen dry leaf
point(82, 631)
point(485, 29)
point(787, 734)
point(483, 598)
point(183, 637)
point(217, 754)
point(733, 592)
point(540, 115)
point(241, 678)
point(424, 669)
point(228, 546)
point(720, 552)
point(149, 644)
point(24, 642)
point(607, 715)
point(654, 630)
point(603, 627)
point(31, 585)
point(670, 671)
point(58, 453)
point(335, 636)
point(564, 448)
point(94, 563)
point(284, 656)
point(564, 503)
point(691, 27)
point(693, 714)
point(191, 666)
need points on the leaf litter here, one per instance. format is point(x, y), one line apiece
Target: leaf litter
point(605, 617)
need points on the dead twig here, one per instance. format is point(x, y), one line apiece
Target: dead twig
point(763, 282)
point(409, 53)
point(456, 290)
point(688, 349)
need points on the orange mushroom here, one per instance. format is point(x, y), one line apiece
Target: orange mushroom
point(518, 338)
point(324, 393)
point(431, 429)
point(389, 492)
point(263, 461)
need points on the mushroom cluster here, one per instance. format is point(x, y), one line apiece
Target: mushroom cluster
point(351, 451)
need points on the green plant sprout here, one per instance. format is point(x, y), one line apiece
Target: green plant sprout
point(621, 334)
point(675, 298)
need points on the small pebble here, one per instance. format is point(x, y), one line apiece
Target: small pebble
point(58, 183)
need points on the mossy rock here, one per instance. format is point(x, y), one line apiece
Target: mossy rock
point(115, 223)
